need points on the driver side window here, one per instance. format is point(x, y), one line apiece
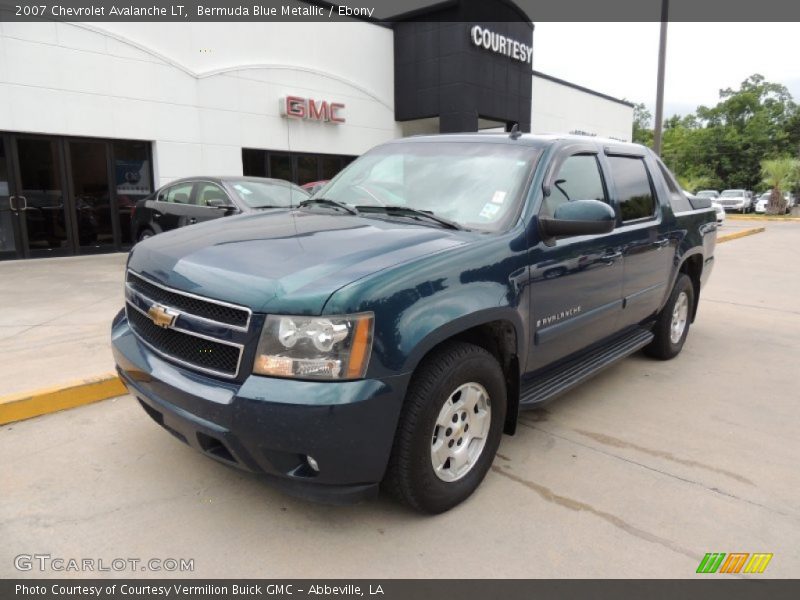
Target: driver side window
point(578, 178)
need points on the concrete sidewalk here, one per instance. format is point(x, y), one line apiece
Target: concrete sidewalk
point(55, 319)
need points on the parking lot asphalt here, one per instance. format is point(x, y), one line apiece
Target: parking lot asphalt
point(637, 473)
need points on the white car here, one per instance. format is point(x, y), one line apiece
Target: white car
point(720, 212)
point(763, 201)
point(738, 200)
point(714, 203)
point(713, 194)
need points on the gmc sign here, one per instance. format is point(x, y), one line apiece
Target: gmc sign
point(309, 109)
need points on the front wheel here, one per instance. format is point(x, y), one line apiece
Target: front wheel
point(672, 325)
point(449, 430)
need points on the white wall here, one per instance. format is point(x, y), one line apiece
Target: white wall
point(200, 91)
point(558, 108)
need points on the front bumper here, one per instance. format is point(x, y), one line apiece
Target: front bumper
point(270, 426)
point(739, 206)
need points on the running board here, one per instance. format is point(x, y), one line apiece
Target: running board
point(575, 371)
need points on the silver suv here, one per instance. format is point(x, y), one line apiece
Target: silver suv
point(738, 200)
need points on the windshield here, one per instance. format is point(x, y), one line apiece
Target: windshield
point(707, 194)
point(476, 185)
point(765, 196)
point(268, 194)
point(732, 193)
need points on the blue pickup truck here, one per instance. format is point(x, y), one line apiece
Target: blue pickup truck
point(388, 331)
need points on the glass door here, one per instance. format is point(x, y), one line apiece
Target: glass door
point(90, 193)
point(41, 199)
point(9, 213)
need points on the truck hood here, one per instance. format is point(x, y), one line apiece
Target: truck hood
point(284, 261)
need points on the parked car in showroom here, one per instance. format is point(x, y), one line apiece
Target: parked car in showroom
point(196, 199)
point(388, 332)
point(738, 200)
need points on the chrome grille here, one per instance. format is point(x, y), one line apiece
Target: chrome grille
point(198, 338)
point(212, 310)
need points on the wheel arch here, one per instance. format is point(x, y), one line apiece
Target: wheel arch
point(692, 267)
point(499, 333)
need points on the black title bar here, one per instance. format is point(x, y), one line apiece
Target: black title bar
point(383, 11)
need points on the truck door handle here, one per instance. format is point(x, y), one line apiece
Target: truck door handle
point(610, 257)
point(661, 243)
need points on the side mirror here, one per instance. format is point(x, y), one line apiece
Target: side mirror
point(579, 217)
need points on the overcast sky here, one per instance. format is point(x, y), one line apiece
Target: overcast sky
point(621, 59)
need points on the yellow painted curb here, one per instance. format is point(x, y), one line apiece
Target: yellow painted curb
point(754, 218)
point(739, 234)
point(26, 405)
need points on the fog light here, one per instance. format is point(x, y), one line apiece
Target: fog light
point(312, 463)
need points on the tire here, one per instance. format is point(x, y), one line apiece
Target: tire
point(670, 334)
point(456, 374)
point(145, 233)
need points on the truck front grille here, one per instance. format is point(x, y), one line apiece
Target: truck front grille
point(213, 311)
point(193, 351)
point(214, 351)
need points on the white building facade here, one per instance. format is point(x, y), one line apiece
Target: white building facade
point(94, 116)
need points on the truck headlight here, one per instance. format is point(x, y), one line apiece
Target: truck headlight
point(315, 347)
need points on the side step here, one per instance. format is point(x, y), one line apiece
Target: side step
point(566, 376)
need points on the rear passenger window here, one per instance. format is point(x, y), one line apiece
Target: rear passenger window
point(632, 183)
point(578, 178)
point(177, 194)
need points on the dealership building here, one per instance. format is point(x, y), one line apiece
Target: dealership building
point(95, 116)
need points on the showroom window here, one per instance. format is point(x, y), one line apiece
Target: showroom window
point(79, 193)
point(295, 167)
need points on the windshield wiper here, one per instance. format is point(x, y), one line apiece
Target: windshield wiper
point(405, 211)
point(328, 202)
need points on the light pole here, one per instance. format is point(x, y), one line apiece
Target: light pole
point(662, 59)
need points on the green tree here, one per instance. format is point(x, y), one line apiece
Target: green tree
point(723, 145)
point(642, 125)
point(780, 175)
point(747, 126)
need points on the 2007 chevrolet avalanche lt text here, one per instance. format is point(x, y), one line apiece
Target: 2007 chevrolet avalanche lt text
point(387, 331)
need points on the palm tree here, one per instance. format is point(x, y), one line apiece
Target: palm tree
point(779, 174)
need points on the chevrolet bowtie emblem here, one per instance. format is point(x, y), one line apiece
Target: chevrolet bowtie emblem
point(162, 316)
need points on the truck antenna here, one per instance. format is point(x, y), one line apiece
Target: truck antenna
point(515, 132)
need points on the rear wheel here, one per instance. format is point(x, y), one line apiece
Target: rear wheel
point(449, 430)
point(672, 325)
point(145, 233)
